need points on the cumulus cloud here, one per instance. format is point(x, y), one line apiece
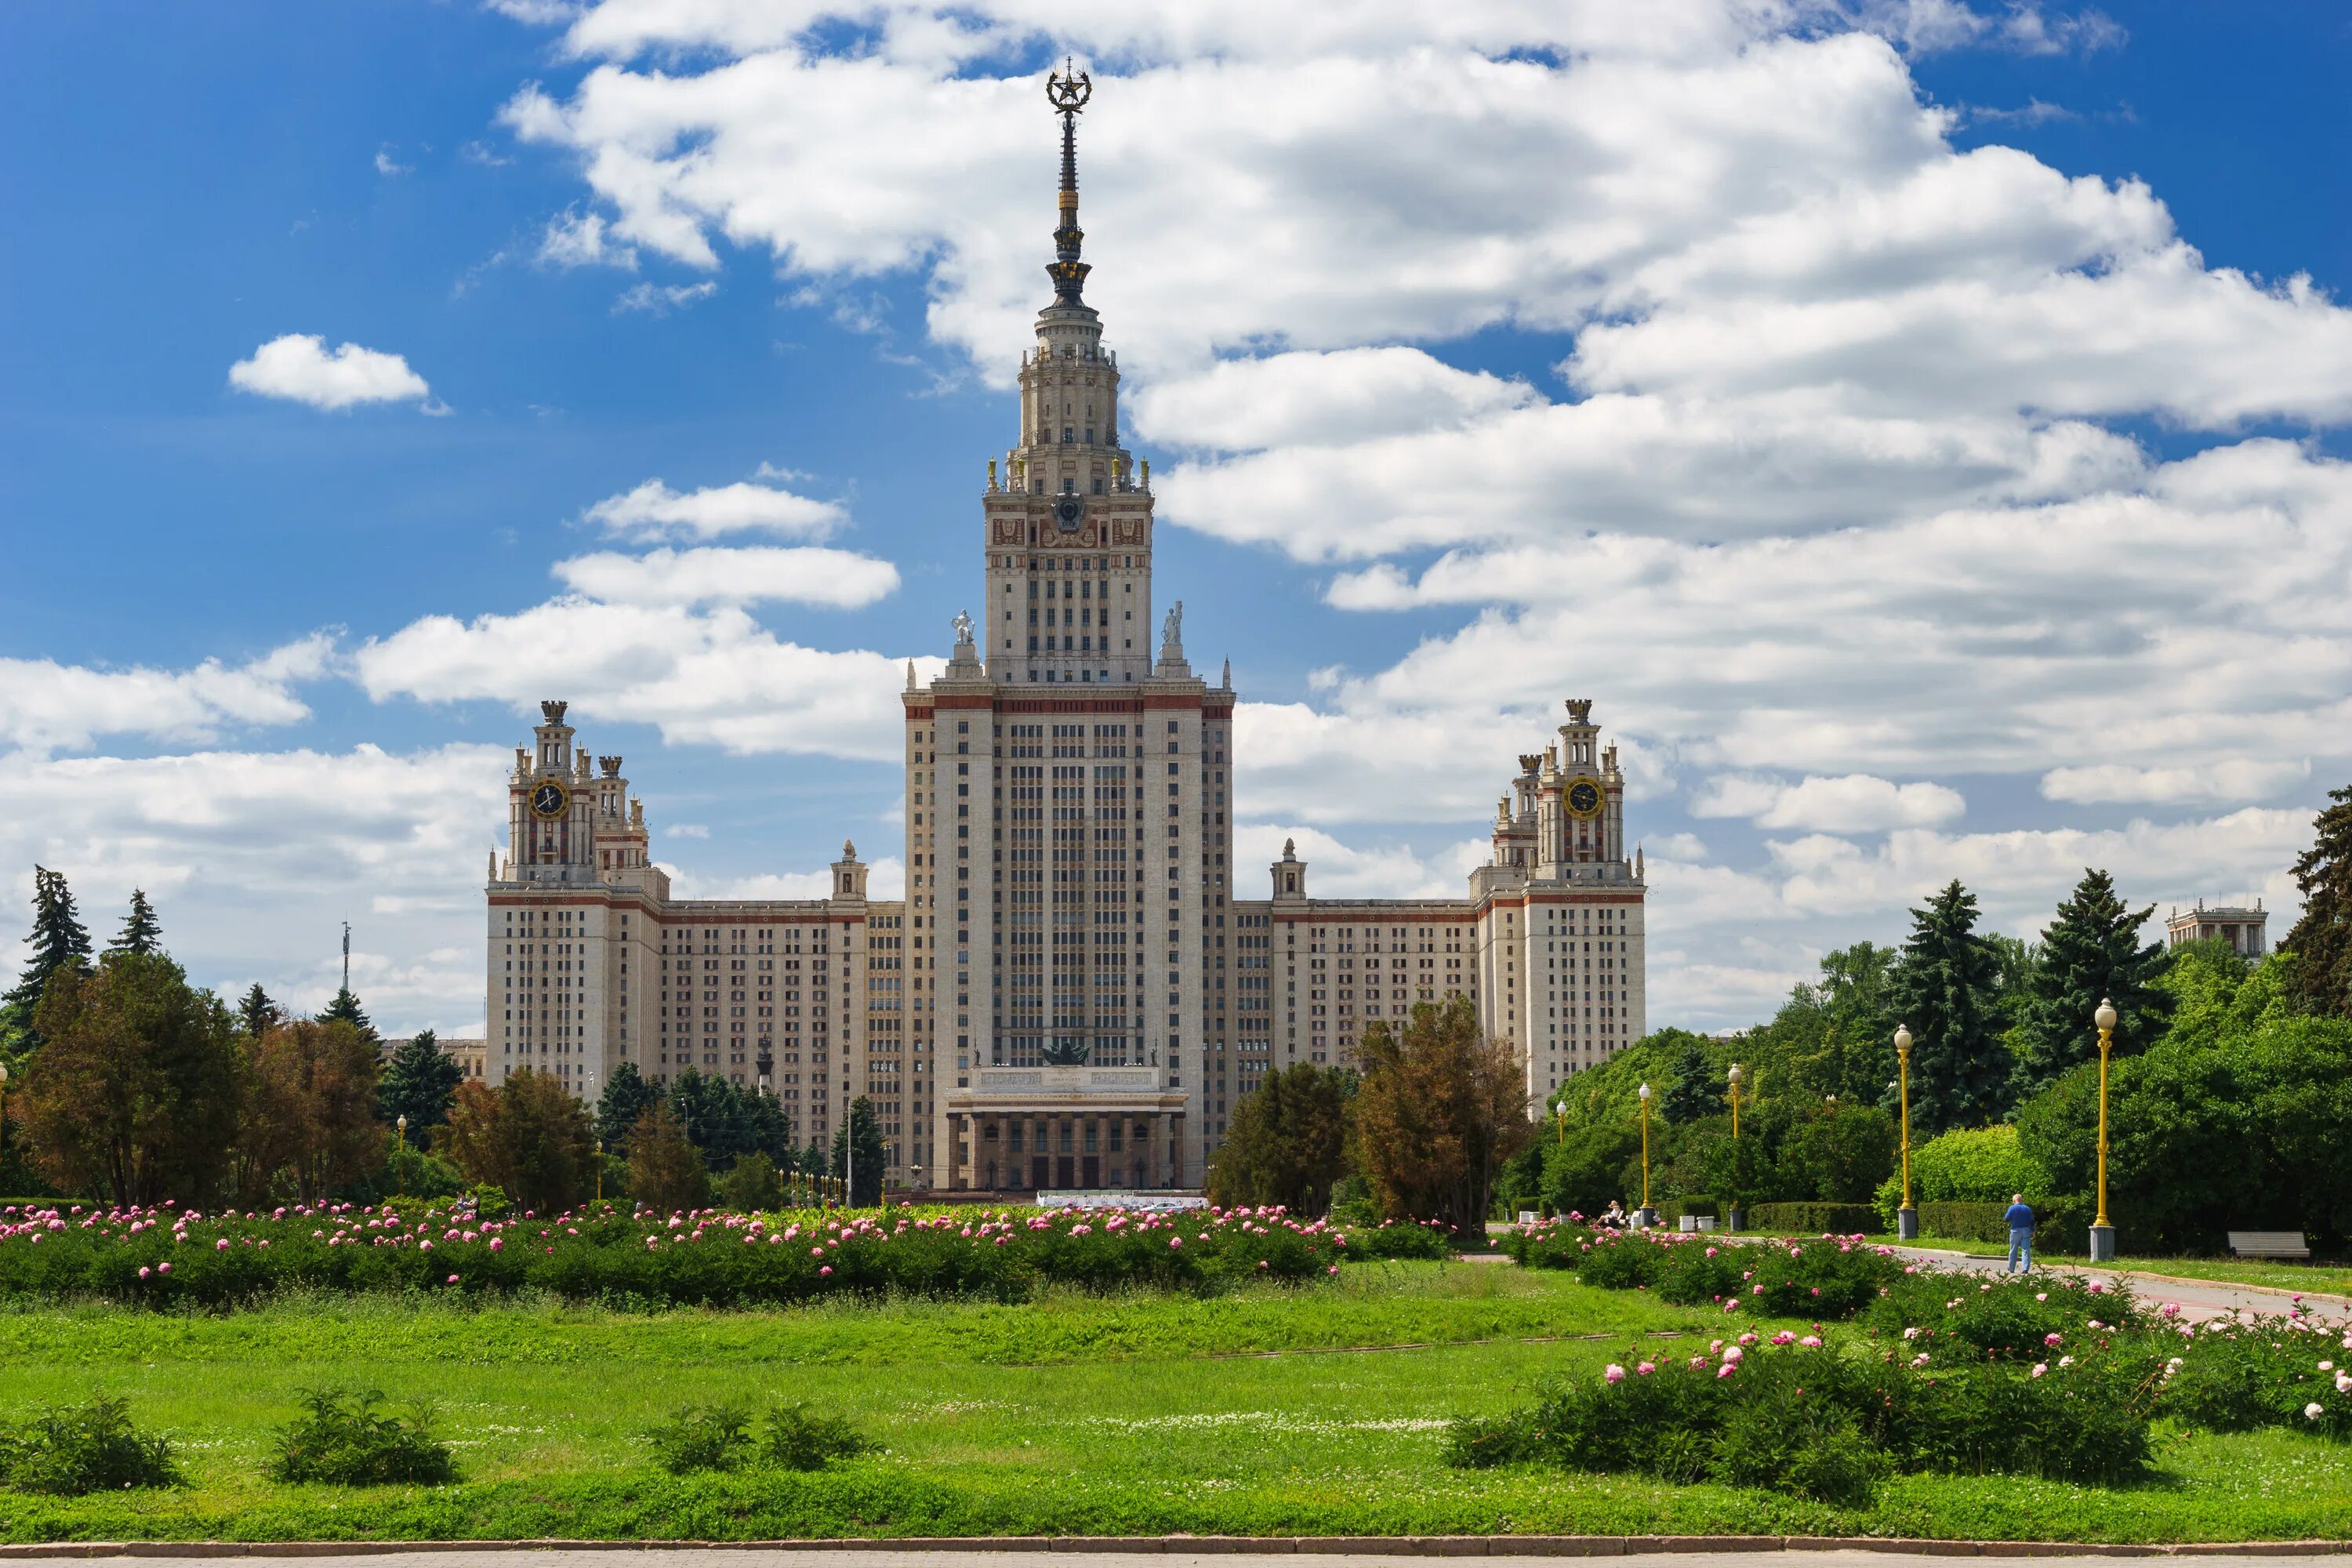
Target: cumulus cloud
point(45, 706)
point(839, 579)
point(1856, 803)
point(2218, 780)
point(300, 368)
point(659, 299)
point(576, 238)
point(655, 511)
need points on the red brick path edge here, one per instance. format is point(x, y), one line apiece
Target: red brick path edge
point(1224, 1545)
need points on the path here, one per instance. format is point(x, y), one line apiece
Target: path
point(1652, 1551)
point(2198, 1298)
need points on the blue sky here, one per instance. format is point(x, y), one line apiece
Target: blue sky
point(1903, 420)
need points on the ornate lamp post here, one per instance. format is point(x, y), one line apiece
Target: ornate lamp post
point(1906, 1218)
point(2102, 1234)
point(401, 1126)
point(599, 1170)
point(1645, 1155)
point(1735, 1076)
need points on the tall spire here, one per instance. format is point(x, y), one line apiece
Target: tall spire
point(1067, 90)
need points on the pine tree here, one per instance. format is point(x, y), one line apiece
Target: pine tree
point(419, 1082)
point(2090, 953)
point(2319, 948)
point(345, 1009)
point(59, 942)
point(140, 932)
point(626, 1099)
point(863, 1137)
point(256, 1014)
point(1945, 990)
point(1697, 1092)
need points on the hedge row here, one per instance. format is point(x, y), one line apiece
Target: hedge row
point(1812, 1218)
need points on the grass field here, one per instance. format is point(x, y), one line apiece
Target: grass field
point(1071, 1414)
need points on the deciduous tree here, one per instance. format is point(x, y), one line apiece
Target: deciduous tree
point(1287, 1141)
point(665, 1170)
point(1696, 1090)
point(1440, 1110)
point(529, 1136)
point(310, 1110)
point(136, 1090)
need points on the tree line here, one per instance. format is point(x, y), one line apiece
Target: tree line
point(129, 1085)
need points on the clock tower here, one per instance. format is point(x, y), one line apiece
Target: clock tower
point(550, 807)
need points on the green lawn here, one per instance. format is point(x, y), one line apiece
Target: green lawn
point(1072, 1414)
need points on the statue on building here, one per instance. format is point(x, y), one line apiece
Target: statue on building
point(963, 629)
point(1171, 630)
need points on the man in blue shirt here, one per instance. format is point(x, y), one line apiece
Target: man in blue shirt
point(2021, 1234)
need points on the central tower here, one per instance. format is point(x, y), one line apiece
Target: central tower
point(1066, 817)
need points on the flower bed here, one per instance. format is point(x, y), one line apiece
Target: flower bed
point(166, 1258)
point(1828, 1276)
point(1548, 1243)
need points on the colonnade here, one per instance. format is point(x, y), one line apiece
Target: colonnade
point(1010, 1151)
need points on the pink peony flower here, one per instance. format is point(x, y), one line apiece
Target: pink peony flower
point(2051, 1339)
point(1646, 1368)
point(1615, 1373)
point(826, 1269)
point(1726, 1369)
point(453, 1279)
point(2040, 1367)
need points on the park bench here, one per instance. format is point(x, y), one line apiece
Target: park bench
point(2269, 1244)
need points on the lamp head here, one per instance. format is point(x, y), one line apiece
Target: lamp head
point(401, 1122)
point(2105, 1016)
point(1645, 1091)
point(3, 1075)
point(1735, 1075)
point(1902, 1039)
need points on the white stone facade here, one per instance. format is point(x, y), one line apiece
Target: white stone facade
point(1072, 994)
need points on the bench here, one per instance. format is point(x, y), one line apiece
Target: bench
point(2269, 1244)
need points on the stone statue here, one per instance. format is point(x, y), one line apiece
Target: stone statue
point(963, 629)
point(1171, 630)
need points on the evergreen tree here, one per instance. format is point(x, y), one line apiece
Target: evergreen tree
point(712, 1112)
point(867, 1157)
point(2319, 948)
point(768, 1129)
point(812, 1159)
point(2090, 953)
point(256, 1014)
point(626, 1099)
point(140, 932)
point(345, 1009)
point(1696, 1092)
point(59, 942)
point(1946, 989)
point(419, 1082)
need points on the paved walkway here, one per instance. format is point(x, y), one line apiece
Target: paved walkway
point(2198, 1298)
point(1650, 1551)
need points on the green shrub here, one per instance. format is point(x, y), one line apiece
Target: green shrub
point(1619, 1260)
point(2269, 1370)
point(1546, 1244)
point(702, 1438)
point(1811, 1219)
point(801, 1439)
point(70, 1451)
point(2012, 1317)
point(1817, 1279)
point(1793, 1414)
point(1403, 1238)
point(344, 1439)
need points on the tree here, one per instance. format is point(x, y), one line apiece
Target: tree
point(1286, 1141)
point(419, 1082)
point(310, 1110)
point(665, 1170)
point(863, 1135)
point(140, 932)
point(1440, 1110)
point(2320, 973)
point(58, 942)
point(1585, 1168)
point(1838, 1154)
point(1697, 1091)
point(2090, 953)
point(1945, 990)
point(345, 1009)
point(256, 1014)
point(136, 1094)
point(750, 1186)
point(529, 1136)
point(627, 1096)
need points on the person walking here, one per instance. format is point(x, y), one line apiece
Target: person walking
point(2021, 1234)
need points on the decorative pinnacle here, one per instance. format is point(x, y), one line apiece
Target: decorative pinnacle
point(1067, 90)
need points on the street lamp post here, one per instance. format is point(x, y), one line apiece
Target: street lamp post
point(1906, 1218)
point(599, 1170)
point(401, 1123)
point(1645, 1217)
point(2103, 1234)
point(1733, 1207)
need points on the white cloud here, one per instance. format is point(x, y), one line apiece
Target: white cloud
point(886, 878)
point(655, 300)
point(576, 238)
point(254, 859)
point(1856, 803)
point(839, 579)
point(1319, 399)
point(300, 367)
point(1337, 869)
point(653, 510)
point(2215, 782)
point(390, 167)
point(686, 830)
point(45, 706)
point(716, 678)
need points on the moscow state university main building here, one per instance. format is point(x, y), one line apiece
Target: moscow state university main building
point(1073, 991)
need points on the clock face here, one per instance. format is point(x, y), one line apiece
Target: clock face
point(549, 799)
point(1066, 512)
point(1584, 797)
